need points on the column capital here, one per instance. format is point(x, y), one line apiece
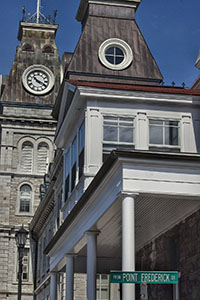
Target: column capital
point(70, 255)
point(53, 272)
point(124, 194)
point(92, 232)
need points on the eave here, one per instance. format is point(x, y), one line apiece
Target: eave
point(141, 88)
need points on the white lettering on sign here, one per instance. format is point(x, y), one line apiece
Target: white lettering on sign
point(129, 277)
point(157, 277)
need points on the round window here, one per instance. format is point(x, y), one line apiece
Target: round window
point(115, 54)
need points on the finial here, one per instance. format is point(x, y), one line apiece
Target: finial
point(54, 16)
point(183, 84)
point(23, 13)
point(38, 11)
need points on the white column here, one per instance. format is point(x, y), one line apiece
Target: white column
point(91, 264)
point(128, 243)
point(142, 131)
point(188, 142)
point(69, 277)
point(53, 286)
point(93, 140)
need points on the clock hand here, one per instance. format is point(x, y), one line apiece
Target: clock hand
point(40, 82)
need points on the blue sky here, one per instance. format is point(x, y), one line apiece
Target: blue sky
point(171, 29)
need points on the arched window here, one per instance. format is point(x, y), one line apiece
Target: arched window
point(25, 198)
point(47, 49)
point(27, 47)
point(42, 157)
point(27, 157)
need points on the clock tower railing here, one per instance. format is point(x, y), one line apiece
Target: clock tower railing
point(38, 17)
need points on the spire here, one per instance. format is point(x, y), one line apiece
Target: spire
point(38, 17)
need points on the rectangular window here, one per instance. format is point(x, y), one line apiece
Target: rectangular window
point(81, 138)
point(59, 205)
point(73, 163)
point(102, 287)
point(39, 260)
point(164, 133)
point(25, 267)
point(118, 133)
point(44, 256)
point(24, 205)
point(67, 174)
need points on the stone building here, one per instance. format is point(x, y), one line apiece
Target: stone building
point(26, 146)
point(124, 188)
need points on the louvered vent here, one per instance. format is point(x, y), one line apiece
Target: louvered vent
point(42, 157)
point(27, 157)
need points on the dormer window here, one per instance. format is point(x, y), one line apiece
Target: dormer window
point(115, 54)
point(28, 48)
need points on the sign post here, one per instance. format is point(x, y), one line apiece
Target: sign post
point(143, 291)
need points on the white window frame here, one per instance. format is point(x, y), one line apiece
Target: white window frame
point(178, 147)
point(122, 45)
point(118, 143)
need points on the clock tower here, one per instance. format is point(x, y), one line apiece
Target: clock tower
point(35, 73)
point(26, 142)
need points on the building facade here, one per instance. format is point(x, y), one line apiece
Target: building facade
point(26, 147)
point(124, 187)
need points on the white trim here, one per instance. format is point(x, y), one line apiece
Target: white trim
point(43, 69)
point(114, 42)
point(166, 145)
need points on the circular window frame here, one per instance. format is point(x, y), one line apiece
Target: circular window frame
point(44, 69)
point(115, 42)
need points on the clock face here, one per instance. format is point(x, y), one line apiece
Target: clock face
point(38, 79)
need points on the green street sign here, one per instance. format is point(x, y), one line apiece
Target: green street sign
point(154, 277)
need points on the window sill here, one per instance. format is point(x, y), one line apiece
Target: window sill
point(20, 214)
point(23, 282)
point(163, 148)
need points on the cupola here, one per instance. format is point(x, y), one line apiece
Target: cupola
point(111, 47)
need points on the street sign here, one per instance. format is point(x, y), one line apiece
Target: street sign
point(154, 277)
